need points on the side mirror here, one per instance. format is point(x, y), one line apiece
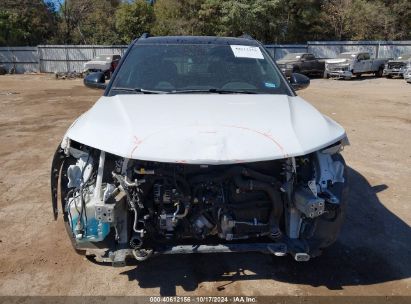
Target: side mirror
point(299, 81)
point(95, 80)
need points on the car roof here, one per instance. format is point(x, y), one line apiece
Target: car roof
point(197, 40)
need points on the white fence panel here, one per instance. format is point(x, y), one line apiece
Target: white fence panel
point(20, 59)
point(278, 51)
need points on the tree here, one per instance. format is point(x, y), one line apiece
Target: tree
point(99, 26)
point(177, 17)
point(363, 20)
point(257, 18)
point(337, 13)
point(299, 21)
point(73, 12)
point(26, 22)
point(32, 22)
point(367, 20)
point(398, 21)
point(133, 19)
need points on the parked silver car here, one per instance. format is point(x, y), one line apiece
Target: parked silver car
point(200, 144)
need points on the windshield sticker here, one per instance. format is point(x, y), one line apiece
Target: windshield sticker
point(269, 85)
point(245, 51)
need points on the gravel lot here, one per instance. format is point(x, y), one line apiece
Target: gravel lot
point(372, 256)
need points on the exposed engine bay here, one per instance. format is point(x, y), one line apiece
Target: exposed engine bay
point(117, 207)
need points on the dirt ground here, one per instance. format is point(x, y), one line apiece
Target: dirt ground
point(372, 256)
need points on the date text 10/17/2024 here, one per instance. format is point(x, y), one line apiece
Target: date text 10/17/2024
point(203, 299)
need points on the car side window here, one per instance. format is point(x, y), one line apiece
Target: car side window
point(366, 56)
point(360, 57)
point(309, 57)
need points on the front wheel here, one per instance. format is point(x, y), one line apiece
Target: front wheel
point(108, 74)
point(380, 72)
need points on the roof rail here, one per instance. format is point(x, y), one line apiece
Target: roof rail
point(246, 36)
point(145, 35)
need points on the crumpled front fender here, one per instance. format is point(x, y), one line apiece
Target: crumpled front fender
point(56, 165)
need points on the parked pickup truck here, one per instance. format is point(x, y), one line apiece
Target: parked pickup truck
point(303, 63)
point(102, 63)
point(350, 64)
point(398, 66)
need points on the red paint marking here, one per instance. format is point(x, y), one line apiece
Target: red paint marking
point(266, 135)
point(137, 143)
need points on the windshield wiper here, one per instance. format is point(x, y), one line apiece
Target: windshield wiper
point(138, 90)
point(216, 91)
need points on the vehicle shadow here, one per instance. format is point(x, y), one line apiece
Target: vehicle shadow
point(374, 247)
point(359, 78)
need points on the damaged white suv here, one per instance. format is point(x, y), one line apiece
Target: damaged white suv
point(200, 144)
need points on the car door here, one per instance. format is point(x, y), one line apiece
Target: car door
point(367, 63)
point(316, 65)
point(306, 63)
point(116, 60)
point(313, 63)
point(359, 64)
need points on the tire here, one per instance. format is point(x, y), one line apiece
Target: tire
point(380, 72)
point(388, 76)
point(328, 225)
point(108, 74)
point(296, 70)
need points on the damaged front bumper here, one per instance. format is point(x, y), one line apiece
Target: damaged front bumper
point(407, 76)
point(118, 258)
point(394, 72)
point(115, 249)
point(345, 74)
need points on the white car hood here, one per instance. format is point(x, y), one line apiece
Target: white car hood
point(337, 60)
point(205, 128)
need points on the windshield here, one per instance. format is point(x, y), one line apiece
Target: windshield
point(292, 56)
point(347, 56)
point(174, 68)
